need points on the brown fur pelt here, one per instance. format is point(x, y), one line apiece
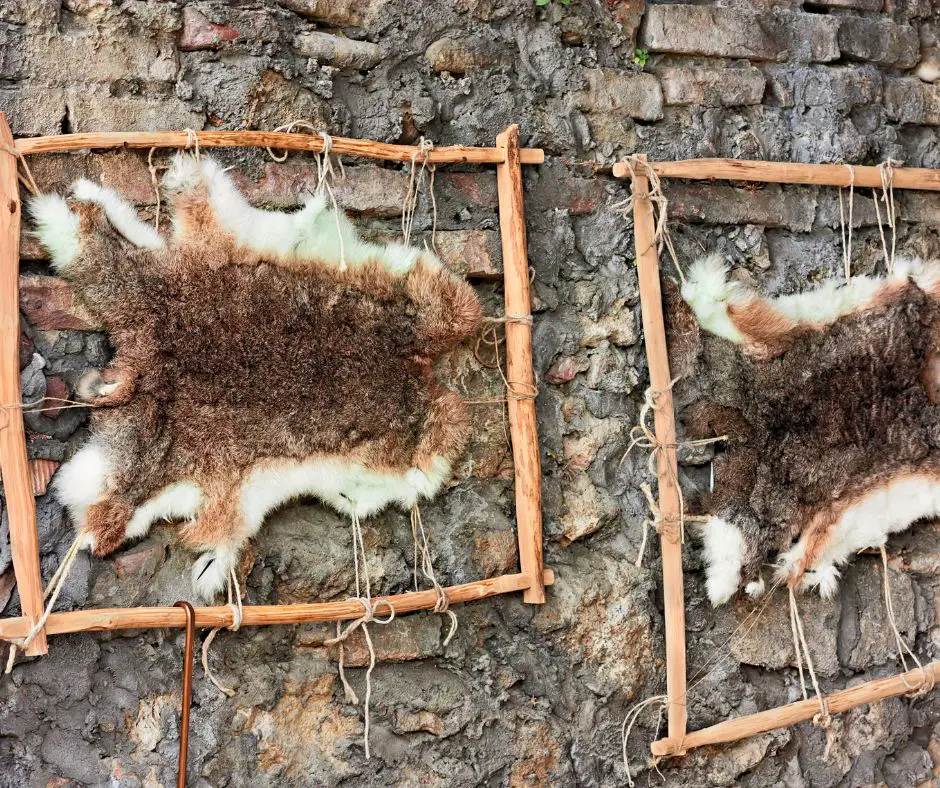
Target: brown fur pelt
point(828, 400)
point(260, 356)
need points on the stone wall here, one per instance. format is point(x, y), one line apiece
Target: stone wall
point(522, 695)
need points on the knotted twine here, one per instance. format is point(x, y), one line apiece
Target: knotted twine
point(660, 204)
point(928, 680)
point(53, 589)
point(442, 605)
point(847, 231)
point(235, 605)
point(886, 169)
point(370, 609)
point(192, 143)
point(415, 180)
point(643, 435)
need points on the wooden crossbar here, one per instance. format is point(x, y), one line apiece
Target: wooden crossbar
point(450, 154)
point(678, 742)
point(508, 157)
point(786, 172)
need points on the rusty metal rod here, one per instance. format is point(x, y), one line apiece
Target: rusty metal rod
point(187, 691)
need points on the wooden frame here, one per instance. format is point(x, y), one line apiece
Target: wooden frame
point(532, 577)
point(679, 741)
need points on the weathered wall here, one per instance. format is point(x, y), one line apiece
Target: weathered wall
point(522, 695)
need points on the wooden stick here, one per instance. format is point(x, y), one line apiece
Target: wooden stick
point(786, 172)
point(24, 537)
point(651, 307)
point(522, 388)
point(270, 139)
point(792, 713)
point(261, 615)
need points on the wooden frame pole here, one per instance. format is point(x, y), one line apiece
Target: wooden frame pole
point(451, 154)
point(654, 331)
point(801, 711)
point(522, 388)
point(24, 537)
point(785, 172)
point(107, 619)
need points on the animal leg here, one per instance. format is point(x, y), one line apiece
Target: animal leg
point(219, 533)
point(120, 213)
point(106, 524)
point(444, 438)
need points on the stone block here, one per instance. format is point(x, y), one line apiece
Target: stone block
point(880, 41)
point(475, 254)
point(769, 206)
point(100, 111)
point(337, 51)
point(459, 55)
point(712, 87)
point(33, 111)
point(200, 32)
point(833, 87)
point(908, 100)
point(338, 13)
point(873, 6)
point(779, 35)
point(105, 57)
point(624, 93)
point(12, 52)
point(276, 101)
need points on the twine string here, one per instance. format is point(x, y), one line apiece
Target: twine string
point(847, 231)
point(442, 605)
point(415, 179)
point(369, 615)
point(235, 605)
point(26, 176)
point(51, 593)
point(823, 718)
point(661, 235)
point(886, 169)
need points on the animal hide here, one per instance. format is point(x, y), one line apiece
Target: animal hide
point(251, 366)
point(829, 401)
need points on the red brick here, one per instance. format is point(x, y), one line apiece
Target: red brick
point(199, 32)
point(48, 303)
point(55, 390)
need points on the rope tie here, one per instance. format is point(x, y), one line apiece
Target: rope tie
point(515, 389)
point(237, 617)
point(156, 187)
point(26, 177)
point(369, 616)
point(642, 435)
point(415, 179)
point(53, 589)
point(627, 727)
point(928, 680)
point(847, 231)
point(823, 719)
point(37, 407)
point(886, 169)
point(192, 142)
point(661, 236)
point(442, 606)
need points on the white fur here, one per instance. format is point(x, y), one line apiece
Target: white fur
point(56, 229)
point(756, 588)
point(867, 523)
point(120, 213)
point(708, 291)
point(83, 481)
point(723, 554)
point(312, 233)
point(349, 488)
point(211, 571)
point(178, 501)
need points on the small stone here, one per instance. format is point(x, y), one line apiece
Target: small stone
point(879, 41)
point(278, 101)
point(928, 70)
point(56, 390)
point(48, 303)
point(475, 254)
point(139, 564)
point(199, 32)
point(712, 87)
point(564, 369)
point(458, 56)
point(403, 640)
point(338, 13)
point(611, 91)
point(908, 100)
point(337, 51)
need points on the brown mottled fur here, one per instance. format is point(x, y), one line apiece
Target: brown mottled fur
point(226, 361)
point(817, 416)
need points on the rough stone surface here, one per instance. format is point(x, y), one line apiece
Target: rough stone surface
point(521, 695)
point(712, 87)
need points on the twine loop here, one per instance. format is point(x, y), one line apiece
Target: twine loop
point(886, 169)
point(847, 230)
point(235, 605)
point(415, 179)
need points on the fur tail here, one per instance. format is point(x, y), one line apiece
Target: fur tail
point(57, 229)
